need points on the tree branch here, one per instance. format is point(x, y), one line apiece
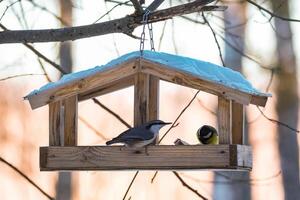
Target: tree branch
point(188, 186)
point(271, 13)
point(137, 6)
point(123, 25)
point(39, 54)
point(26, 177)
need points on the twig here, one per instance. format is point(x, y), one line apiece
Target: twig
point(134, 177)
point(96, 101)
point(174, 124)
point(215, 37)
point(20, 75)
point(137, 6)
point(48, 11)
point(7, 7)
point(26, 177)
point(44, 70)
point(277, 122)
point(271, 13)
point(92, 128)
point(119, 4)
point(188, 186)
point(39, 54)
point(177, 118)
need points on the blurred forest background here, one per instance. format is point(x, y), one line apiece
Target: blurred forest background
point(259, 38)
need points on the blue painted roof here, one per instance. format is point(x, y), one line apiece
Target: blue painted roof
point(201, 69)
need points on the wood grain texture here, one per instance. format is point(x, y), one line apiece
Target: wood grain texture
point(178, 77)
point(70, 121)
point(108, 88)
point(159, 157)
point(55, 119)
point(237, 120)
point(83, 85)
point(153, 98)
point(224, 120)
point(141, 98)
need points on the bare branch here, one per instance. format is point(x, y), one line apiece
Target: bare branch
point(48, 11)
point(26, 177)
point(122, 25)
point(278, 122)
point(215, 37)
point(188, 186)
point(174, 124)
point(39, 54)
point(271, 13)
point(109, 11)
point(7, 7)
point(131, 182)
point(96, 101)
point(137, 6)
point(20, 75)
point(92, 128)
point(177, 118)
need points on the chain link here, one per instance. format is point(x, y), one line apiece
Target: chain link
point(143, 35)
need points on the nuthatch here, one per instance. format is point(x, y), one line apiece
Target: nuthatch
point(207, 135)
point(139, 136)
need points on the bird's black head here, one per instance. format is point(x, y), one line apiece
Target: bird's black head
point(205, 132)
point(156, 122)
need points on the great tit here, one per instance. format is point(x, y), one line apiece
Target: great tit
point(207, 135)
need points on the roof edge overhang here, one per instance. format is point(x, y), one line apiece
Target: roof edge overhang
point(122, 75)
point(102, 81)
point(185, 79)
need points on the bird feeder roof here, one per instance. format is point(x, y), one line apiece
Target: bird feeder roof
point(173, 68)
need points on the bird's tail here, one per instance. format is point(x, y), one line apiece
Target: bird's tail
point(112, 141)
point(109, 142)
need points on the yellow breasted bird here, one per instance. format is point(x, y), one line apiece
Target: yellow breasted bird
point(207, 135)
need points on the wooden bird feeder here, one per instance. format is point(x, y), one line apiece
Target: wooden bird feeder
point(144, 73)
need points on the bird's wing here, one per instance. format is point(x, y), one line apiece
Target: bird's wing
point(133, 134)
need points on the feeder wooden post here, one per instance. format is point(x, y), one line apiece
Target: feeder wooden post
point(141, 98)
point(55, 120)
point(224, 120)
point(237, 118)
point(70, 121)
point(63, 122)
point(146, 96)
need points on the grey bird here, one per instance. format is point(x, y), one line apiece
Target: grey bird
point(139, 136)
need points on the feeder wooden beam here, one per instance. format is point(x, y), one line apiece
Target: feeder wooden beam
point(237, 121)
point(162, 157)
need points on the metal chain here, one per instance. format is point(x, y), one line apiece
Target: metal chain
point(143, 35)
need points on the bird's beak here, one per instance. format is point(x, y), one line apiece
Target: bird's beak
point(167, 123)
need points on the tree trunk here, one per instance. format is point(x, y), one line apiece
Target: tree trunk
point(235, 17)
point(64, 182)
point(287, 102)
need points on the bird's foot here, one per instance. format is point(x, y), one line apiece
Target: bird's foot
point(146, 151)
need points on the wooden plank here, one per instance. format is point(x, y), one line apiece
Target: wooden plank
point(108, 88)
point(176, 76)
point(83, 85)
point(242, 155)
point(158, 157)
point(237, 123)
point(55, 119)
point(70, 121)
point(153, 98)
point(141, 98)
point(224, 120)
